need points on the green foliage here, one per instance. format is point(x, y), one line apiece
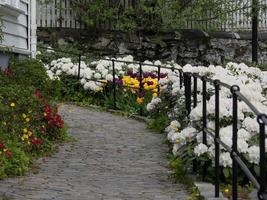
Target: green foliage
point(24, 71)
point(25, 132)
point(180, 175)
point(163, 15)
point(159, 122)
point(94, 12)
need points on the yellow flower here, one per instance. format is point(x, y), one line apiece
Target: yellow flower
point(100, 89)
point(26, 137)
point(5, 150)
point(12, 104)
point(24, 115)
point(154, 94)
point(27, 119)
point(22, 138)
point(103, 81)
point(177, 141)
point(146, 87)
point(29, 133)
point(25, 130)
point(226, 190)
point(28, 143)
point(140, 100)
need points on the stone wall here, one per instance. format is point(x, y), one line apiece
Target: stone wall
point(196, 47)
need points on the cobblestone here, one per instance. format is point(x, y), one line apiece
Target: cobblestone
point(114, 158)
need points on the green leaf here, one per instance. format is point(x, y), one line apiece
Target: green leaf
point(226, 172)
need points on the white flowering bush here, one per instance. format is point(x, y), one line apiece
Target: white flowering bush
point(188, 142)
point(96, 78)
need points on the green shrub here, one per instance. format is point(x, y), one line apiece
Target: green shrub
point(29, 123)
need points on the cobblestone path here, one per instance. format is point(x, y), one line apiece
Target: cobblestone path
point(114, 158)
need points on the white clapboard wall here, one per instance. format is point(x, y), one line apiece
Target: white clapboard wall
point(16, 25)
point(59, 13)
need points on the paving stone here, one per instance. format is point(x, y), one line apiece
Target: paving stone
point(114, 158)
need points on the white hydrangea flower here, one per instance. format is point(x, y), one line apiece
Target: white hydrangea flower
point(83, 81)
point(254, 154)
point(225, 159)
point(251, 125)
point(196, 113)
point(242, 146)
point(200, 149)
point(66, 60)
point(175, 149)
point(97, 75)
point(53, 62)
point(58, 72)
point(109, 77)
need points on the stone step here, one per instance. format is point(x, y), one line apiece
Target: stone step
point(207, 191)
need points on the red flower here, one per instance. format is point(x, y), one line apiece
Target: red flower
point(51, 123)
point(48, 112)
point(36, 141)
point(8, 72)
point(9, 154)
point(38, 94)
point(58, 121)
point(2, 145)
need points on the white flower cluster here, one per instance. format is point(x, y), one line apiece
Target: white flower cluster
point(93, 75)
point(252, 82)
point(153, 104)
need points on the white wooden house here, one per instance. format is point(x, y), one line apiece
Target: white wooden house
point(18, 18)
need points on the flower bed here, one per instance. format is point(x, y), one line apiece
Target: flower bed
point(163, 101)
point(29, 124)
point(96, 78)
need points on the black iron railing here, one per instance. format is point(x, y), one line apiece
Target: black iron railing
point(260, 182)
point(237, 163)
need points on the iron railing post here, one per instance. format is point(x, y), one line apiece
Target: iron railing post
point(195, 91)
point(140, 84)
point(234, 89)
point(181, 77)
point(217, 136)
point(195, 105)
point(204, 119)
point(79, 66)
point(204, 108)
point(262, 158)
point(158, 79)
point(114, 84)
point(187, 85)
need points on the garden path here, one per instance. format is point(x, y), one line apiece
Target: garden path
point(114, 158)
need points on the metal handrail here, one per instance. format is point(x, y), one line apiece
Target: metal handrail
point(237, 161)
point(185, 80)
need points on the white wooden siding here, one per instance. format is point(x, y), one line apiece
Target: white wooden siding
point(16, 29)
